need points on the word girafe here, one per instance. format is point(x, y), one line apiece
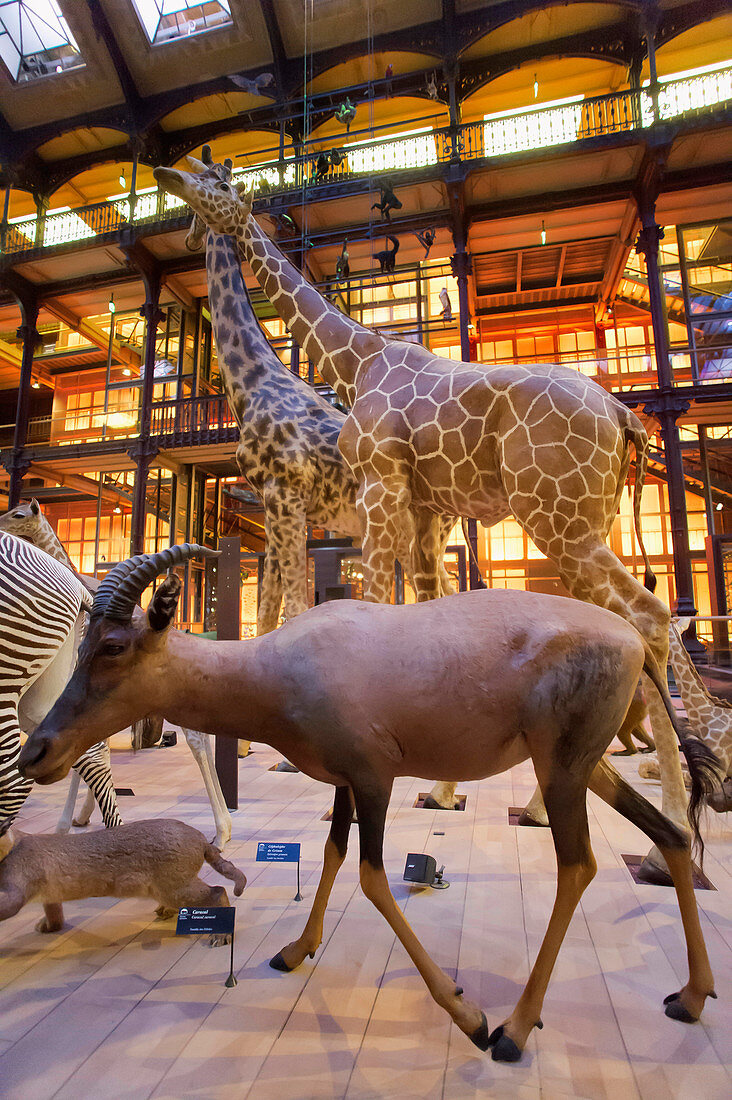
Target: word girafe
point(556, 692)
point(428, 436)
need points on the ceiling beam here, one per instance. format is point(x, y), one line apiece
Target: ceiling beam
point(104, 31)
point(279, 55)
point(86, 485)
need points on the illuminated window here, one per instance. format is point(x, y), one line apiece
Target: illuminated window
point(165, 20)
point(512, 131)
point(35, 40)
point(411, 149)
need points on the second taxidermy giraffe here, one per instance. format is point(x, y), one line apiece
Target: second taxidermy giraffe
point(429, 436)
point(288, 436)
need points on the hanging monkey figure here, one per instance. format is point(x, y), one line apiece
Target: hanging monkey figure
point(426, 238)
point(346, 113)
point(387, 258)
point(389, 201)
point(343, 269)
point(322, 166)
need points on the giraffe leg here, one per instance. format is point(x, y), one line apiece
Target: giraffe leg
point(383, 508)
point(270, 598)
point(445, 525)
point(286, 532)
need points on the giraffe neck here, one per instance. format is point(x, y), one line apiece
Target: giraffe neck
point(337, 345)
point(246, 358)
point(46, 539)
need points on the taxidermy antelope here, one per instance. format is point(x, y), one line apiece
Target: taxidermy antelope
point(513, 675)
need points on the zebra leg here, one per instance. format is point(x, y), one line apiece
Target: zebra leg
point(14, 789)
point(64, 822)
point(200, 746)
point(94, 769)
point(84, 816)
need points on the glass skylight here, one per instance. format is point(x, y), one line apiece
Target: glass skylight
point(165, 20)
point(35, 39)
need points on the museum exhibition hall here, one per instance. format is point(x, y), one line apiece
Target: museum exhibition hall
point(365, 460)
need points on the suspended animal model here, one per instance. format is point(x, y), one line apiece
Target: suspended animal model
point(346, 113)
point(387, 256)
point(555, 691)
point(388, 200)
point(27, 522)
point(427, 435)
point(426, 238)
point(343, 267)
point(256, 86)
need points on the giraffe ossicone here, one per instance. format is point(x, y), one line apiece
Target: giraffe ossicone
point(429, 436)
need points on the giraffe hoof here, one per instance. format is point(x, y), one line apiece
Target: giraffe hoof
point(527, 819)
point(431, 804)
point(654, 875)
point(458, 991)
point(675, 1010)
point(504, 1049)
point(278, 963)
point(480, 1036)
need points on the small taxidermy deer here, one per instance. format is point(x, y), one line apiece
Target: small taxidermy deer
point(157, 859)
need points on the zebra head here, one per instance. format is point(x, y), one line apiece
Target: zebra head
point(120, 674)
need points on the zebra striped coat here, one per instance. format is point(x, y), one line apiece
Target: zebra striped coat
point(41, 603)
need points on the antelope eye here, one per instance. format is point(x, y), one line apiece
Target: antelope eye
point(112, 649)
point(18, 515)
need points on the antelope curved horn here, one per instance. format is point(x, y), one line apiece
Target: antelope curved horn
point(197, 166)
point(129, 579)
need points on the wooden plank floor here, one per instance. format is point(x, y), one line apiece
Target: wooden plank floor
point(116, 1006)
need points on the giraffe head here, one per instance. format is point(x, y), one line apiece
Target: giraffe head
point(24, 521)
point(222, 206)
point(197, 233)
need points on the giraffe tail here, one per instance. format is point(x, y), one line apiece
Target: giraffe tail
point(637, 435)
point(705, 769)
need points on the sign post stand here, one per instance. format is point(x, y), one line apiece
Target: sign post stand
point(281, 853)
point(231, 980)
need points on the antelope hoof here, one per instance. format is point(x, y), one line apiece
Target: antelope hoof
point(528, 819)
point(286, 766)
point(79, 824)
point(624, 752)
point(503, 1048)
point(480, 1036)
point(278, 963)
point(687, 1013)
point(431, 803)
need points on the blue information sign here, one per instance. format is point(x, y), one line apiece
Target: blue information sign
point(278, 853)
point(215, 919)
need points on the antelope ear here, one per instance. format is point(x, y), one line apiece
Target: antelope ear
point(35, 507)
point(161, 609)
point(196, 166)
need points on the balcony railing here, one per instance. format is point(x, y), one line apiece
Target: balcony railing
point(194, 421)
point(501, 135)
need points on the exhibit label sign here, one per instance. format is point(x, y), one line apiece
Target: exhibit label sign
point(212, 920)
point(280, 853)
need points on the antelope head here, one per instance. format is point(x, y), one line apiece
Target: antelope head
point(223, 206)
point(121, 674)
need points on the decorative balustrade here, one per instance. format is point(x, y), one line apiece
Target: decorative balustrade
point(510, 132)
point(194, 420)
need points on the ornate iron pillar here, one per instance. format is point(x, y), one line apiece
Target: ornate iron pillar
point(462, 266)
point(143, 450)
point(18, 463)
point(666, 409)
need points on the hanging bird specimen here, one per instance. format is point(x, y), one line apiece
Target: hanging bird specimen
point(256, 86)
point(387, 257)
point(388, 202)
point(432, 87)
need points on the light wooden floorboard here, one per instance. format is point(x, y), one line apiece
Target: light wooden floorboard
point(117, 1007)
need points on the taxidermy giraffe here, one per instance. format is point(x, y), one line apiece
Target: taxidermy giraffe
point(288, 438)
point(556, 690)
point(427, 435)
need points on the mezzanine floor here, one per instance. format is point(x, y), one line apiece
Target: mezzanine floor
point(117, 1006)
